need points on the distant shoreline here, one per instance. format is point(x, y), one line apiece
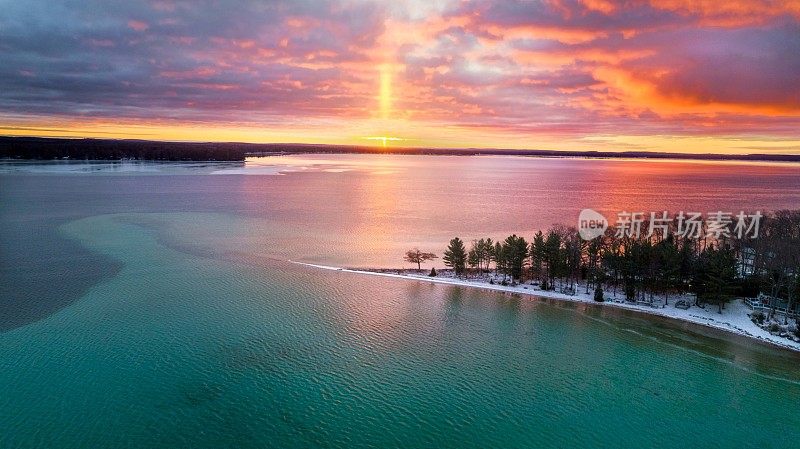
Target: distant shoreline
point(735, 319)
point(40, 148)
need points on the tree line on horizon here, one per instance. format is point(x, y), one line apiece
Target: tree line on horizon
point(43, 148)
point(107, 149)
point(642, 266)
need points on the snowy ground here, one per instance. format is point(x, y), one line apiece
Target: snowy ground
point(734, 317)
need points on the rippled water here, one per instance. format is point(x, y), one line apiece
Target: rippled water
point(157, 310)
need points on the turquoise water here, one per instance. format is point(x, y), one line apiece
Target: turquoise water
point(195, 334)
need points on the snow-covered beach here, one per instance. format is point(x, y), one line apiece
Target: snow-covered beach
point(734, 318)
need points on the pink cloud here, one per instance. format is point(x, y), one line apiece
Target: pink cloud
point(566, 67)
point(138, 25)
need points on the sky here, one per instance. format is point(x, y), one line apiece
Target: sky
point(697, 76)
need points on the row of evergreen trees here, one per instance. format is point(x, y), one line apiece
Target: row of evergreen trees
point(641, 267)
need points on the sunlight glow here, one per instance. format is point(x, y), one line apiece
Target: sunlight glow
point(386, 90)
point(384, 139)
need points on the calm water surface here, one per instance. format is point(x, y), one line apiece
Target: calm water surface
point(151, 305)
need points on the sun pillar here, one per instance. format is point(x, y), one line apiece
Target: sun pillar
point(386, 91)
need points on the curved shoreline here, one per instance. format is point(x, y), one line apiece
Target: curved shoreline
point(734, 320)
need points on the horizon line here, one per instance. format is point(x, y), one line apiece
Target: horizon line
point(300, 148)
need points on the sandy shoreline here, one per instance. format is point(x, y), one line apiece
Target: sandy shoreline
point(734, 317)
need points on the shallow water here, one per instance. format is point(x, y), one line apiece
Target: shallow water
point(159, 311)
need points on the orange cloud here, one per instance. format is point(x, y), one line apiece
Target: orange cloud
point(554, 73)
point(731, 12)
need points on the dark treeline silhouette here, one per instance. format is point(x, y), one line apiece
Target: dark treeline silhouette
point(641, 267)
point(97, 149)
point(110, 149)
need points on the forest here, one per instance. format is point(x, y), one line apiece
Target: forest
point(102, 149)
point(664, 263)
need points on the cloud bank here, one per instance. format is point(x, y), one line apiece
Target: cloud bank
point(572, 69)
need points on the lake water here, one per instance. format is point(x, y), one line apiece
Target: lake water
point(153, 305)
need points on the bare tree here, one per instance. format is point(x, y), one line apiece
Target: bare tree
point(418, 257)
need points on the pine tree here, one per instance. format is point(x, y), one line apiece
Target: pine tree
point(488, 253)
point(537, 254)
point(715, 276)
point(455, 256)
point(499, 259)
point(552, 256)
point(515, 251)
point(473, 256)
point(593, 254)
